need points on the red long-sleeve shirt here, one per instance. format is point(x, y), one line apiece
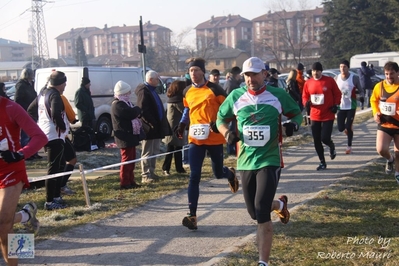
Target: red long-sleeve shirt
point(324, 94)
point(13, 118)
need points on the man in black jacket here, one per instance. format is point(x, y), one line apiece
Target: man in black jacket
point(365, 73)
point(232, 83)
point(154, 121)
point(24, 95)
point(84, 104)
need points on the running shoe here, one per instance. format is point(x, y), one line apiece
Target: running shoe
point(59, 200)
point(333, 153)
point(397, 178)
point(32, 224)
point(389, 166)
point(322, 166)
point(67, 191)
point(233, 183)
point(53, 206)
point(147, 180)
point(190, 221)
point(284, 214)
point(166, 173)
point(348, 150)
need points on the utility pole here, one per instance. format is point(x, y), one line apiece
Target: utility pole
point(142, 48)
point(39, 42)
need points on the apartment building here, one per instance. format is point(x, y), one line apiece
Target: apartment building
point(12, 51)
point(287, 37)
point(224, 31)
point(114, 40)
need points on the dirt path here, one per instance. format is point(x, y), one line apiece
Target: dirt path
point(153, 235)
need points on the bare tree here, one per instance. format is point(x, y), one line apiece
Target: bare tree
point(290, 32)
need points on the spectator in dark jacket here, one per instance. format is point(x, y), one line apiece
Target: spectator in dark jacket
point(234, 80)
point(365, 73)
point(24, 95)
point(84, 104)
point(155, 122)
point(273, 80)
point(174, 112)
point(126, 125)
point(232, 83)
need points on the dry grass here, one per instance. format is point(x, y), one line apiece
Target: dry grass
point(354, 222)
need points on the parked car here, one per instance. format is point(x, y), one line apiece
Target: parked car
point(10, 90)
point(335, 71)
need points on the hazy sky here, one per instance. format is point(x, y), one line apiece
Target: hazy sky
point(178, 15)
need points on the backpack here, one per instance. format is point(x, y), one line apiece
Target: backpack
point(83, 138)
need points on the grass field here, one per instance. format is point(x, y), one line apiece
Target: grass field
point(354, 222)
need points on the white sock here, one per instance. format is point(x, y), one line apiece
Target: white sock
point(25, 216)
point(281, 206)
point(264, 263)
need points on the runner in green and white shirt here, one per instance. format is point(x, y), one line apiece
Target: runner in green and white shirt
point(258, 109)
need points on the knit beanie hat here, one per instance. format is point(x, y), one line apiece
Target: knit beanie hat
point(197, 63)
point(300, 66)
point(122, 87)
point(317, 66)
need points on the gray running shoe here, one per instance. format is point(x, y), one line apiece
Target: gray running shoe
point(389, 166)
point(32, 224)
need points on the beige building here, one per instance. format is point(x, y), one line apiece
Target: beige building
point(115, 40)
point(225, 31)
point(12, 51)
point(287, 38)
point(226, 59)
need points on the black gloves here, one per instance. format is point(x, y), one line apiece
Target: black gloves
point(361, 99)
point(308, 104)
point(334, 109)
point(179, 130)
point(231, 137)
point(213, 126)
point(290, 127)
point(11, 157)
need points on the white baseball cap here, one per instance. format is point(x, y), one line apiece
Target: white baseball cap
point(253, 64)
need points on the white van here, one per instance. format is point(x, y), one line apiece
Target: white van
point(102, 81)
point(377, 59)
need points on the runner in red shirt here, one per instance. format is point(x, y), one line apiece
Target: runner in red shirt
point(13, 177)
point(323, 96)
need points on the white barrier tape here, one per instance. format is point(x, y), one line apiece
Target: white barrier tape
point(40, 178)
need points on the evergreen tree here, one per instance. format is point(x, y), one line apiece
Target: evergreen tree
point(81, 59)
point(355, 27)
